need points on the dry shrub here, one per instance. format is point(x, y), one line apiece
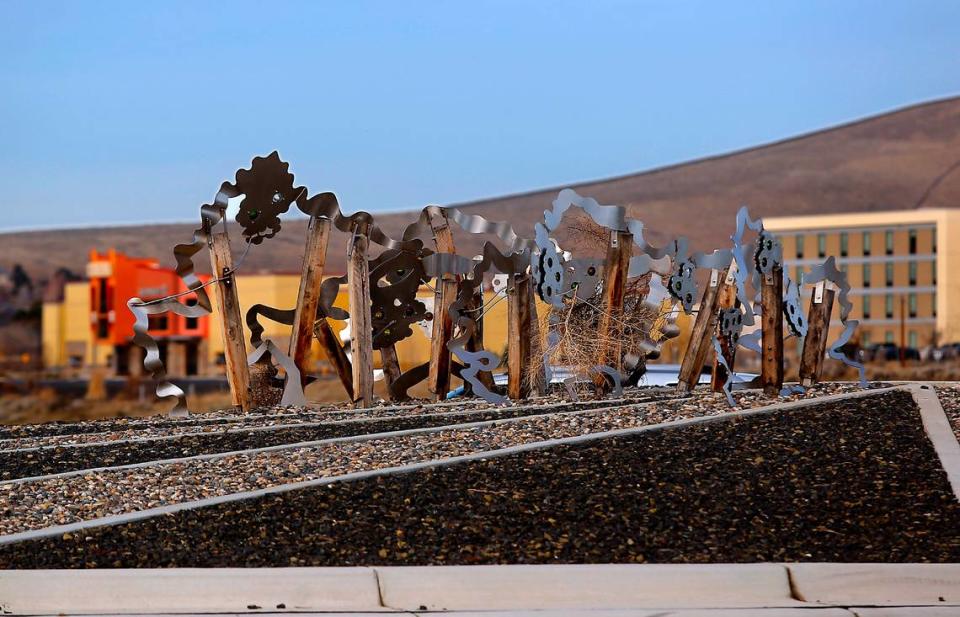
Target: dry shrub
point(577, 326)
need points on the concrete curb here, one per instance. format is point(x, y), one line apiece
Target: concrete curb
point(940, 433)
point(774, 590)
point(877, 584)
point(129, 517)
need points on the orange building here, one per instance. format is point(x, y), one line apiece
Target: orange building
point(114, 278)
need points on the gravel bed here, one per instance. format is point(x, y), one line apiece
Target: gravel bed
point(56, 460)
point(851, 481)
point(950, 401)
point(260, 420)
point(22, 464)
point(161, 421)
point(60, 501)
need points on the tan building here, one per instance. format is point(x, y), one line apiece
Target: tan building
point(903, 267)
point(71, 342)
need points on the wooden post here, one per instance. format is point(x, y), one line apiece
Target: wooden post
point(771, 320)
point(475, 342)
point(335, 352)
point(518, 335)
point(361, 333)
point(391, 367)
point(538, 383)
point(700, 337)
point(726, 299)
point(308, 299)
point(438, 380)
point(231, 325)
point(615, 273)
point(818, 329)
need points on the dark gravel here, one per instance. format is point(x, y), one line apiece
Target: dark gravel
point(856, 481)
point(21, 464)
point(950, 401)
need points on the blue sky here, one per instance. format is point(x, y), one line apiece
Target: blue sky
point(136, 111)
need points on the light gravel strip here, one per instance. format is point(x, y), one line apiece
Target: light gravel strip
point(107, 493)
point(311, 444)
point(746, 399)
point(163, 510)
point(93, 494)
point(277, 423)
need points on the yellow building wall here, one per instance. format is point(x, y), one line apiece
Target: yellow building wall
point(942, 325)
point(52, 334)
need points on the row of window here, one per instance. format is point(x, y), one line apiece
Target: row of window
point(911, 305)
point(866, 272)
point(867, 243)
point(913, 338)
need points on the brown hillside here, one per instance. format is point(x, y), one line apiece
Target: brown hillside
point(880, 163)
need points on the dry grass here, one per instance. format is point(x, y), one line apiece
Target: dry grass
point(580, 342)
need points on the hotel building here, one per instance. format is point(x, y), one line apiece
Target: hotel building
point(903, 268)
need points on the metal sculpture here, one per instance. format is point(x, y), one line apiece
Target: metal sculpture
point(559, 279)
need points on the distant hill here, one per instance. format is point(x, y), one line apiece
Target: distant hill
point(884, 162)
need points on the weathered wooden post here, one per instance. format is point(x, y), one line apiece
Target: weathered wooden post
point(335, 352)
point(726, 299)
point(538, 382)
point(308, 298)
point(361, 334)
point(519, 290)
point(771, 321)
point(231, 326)
point(818, 329)
point(438, 380)
point(615, 274)
point(391, 367)
point(700, 337)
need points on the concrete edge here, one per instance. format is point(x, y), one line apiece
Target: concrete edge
point(57, 530)
point(166, 591)
point(877, 584)
point(315, 443)
point(941, 435)
point(480, 588)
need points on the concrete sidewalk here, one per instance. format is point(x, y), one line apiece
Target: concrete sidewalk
point(775, 590)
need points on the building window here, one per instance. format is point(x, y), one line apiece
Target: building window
point(888, 241)
point(800, 246)
point(865, 339)
point(912, 266)
point(912, 303)
point(933, 277)
point(913, 241)
point(866, 275)
point(192, 323)
point(822, 245)
point(888, 337)
point(866, 243)
point(888, 306)
point(103, 328)
point(798, 274)
point(157, 323)
point(933, 241)
point(844, 243)
point(913, 338)
point(866, 307)
point(934, 305)
point(888, 272)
